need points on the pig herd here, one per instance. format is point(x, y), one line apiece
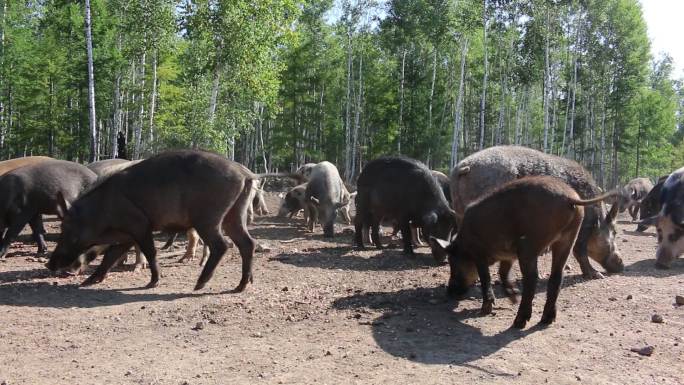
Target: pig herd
point(498, 205)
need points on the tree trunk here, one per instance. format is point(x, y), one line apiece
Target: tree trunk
point(401, 102)
point(484, 78)
point(432, 89)
point(571, 137)
point(137, 136)
point(116, 118)
point(357, 122)
point(3, 130)
point(153, 99)
point(458, 108)
point(546, 86)
point(91, 85)
point(347, 110)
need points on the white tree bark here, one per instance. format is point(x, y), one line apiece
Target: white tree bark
point(458, 109)
point(401, 101)
point(91, 85)
point(484, 78)
point(137, 135)
point(153, 102)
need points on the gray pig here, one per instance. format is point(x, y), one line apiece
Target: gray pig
point(484, 171)
point(172, 191)
point(29, 192)
point(325, 194)
point(633, 193)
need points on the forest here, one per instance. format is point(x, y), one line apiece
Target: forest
point(274, 84)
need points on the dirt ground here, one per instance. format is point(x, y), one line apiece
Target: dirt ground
point(320, 312)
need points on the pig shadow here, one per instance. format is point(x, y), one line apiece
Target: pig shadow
point(420, 325)
point(43, 294)
point(334, 258)
point(647, 268)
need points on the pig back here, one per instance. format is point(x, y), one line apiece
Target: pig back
point(325, 184)
point(485, 170)
point(12, 164)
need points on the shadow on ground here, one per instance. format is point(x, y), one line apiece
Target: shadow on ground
point(647, 268)
point(343, 258)
point(420, 325)
point(43, 294)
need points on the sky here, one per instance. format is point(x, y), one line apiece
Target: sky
point(666, 29)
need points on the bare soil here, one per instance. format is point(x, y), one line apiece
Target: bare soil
point(321, 312)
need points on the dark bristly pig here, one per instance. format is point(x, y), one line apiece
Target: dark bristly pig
point(669, 221)
point(484, 171)
point(650, 205)
point(172, 191)
point(518, 220)
point(404, 191)
point(325, 194)
point(29, 192)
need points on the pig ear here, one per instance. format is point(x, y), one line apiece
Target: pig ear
point(651, 221)
point(430, 219)
point(63, 205)
point(439, 244)
point(612, 213)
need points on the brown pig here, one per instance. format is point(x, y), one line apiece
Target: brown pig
point(518, 220)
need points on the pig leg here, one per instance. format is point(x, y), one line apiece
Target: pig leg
point(190, 250)
point(170, 241)
point(406, 237)
point(245, 244)
point(581, 254)
point(217, 248)
point(634, 211)
point(486, 282)
point(415, 238)
point(561, 252)
point(38, 230)
point(360, 231)
point(12, 232)
point(140, 262)
point(375, 233)
point(528, 267)
point(146, 244)
point(505, 277)
point(112, 255)
point(313, 215)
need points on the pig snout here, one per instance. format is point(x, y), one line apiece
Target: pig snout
point(614, 264)
point(283, 211)
point(664, 258)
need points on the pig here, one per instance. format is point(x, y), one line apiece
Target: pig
point(325, 194)
point(12, 164)
point(401, 189)
point(106, 167)
point(483, 171)
point(518, 220)
point(171, 191)
point(650, 205)
point(669, 221)
point(103, 169)
point(633, 193)
point(294, 201)
point(28, 192)
point(305, 171)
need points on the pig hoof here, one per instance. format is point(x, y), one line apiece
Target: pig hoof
point(200, 285)
point(593, 275)
point(91, 281)
point(139, 267)
point(512, 294)
point(547, 319)
point(486, 308)
point(152, 285)
point(519, 323)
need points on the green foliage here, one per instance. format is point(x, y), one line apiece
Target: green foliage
point(276, 83)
